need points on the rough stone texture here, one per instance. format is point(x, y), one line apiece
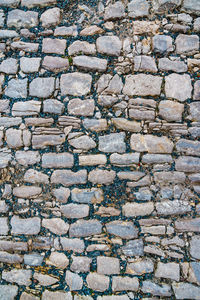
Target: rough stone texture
point(75, 84)
point(109, 45)
point(184, 90)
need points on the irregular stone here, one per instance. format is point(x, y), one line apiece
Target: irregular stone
point(56, 46)
point(51, 17)
point(56, 225)
point(30, 65)
point(42, 87)
point(188, 225)
point(9, 66)
point(57, 160)
point(162, 43)
point(35, 3)
point(151, 143)
point(169, 177)
point(194, 108)
point(58, 260)
point(83, 228)
point(17, 88)
point(61, 194)
point(19, 276)
point(9, 3)
point(90, 63)
point(91, 30)
point(33, 259)
point(13, 138)
point(83, 142)
point(138, 8)
point(187, 44)
point(55, 64)
point(145, 27)
point(33, 176)
point(113, 142)
point(80, 264)
point(142, 85)
point(155, 289)
point(8, 34)
point(114, 11)
point(188, 147)
point(171, 110)
point(126, 159)
point(22, 19)
point(133, 248)
point(97, 282)
point(107, 265)
point(26, 296)
point(4, 226)
point(100, 176)
point(125, 230)
point(28, 108)
point(27, 157)
point(130, 175)
point(95, 124)
point(137, 209)
point(93, 195)
point(194, 246)
point(8, 292)
point(165, 64)
point(168, 270)
point(124, 124)
point(44, 280)
point(184, 90)
point(184, 290)
point(109, 45)
point(124, 284)
point(144, 63)
point(56, 295)
point(175, 207)
point(75, 84)
point(25, 191)
point(196, 95)
point(78, 107)
point(75, 245)
point(28, 226)
point(107, 101)
point(75, 211)
point(156, 158)
point(187, 164)
point(82, 47)
point(140, 266)
point(66, 31)
point(74, 281)
point(68, 178)
point(92, 160)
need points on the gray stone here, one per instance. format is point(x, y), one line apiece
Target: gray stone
point(51, 17)
point(84, 228)
point(8, 34)
point(35, 3)
point(22, 19)
point(66, 31)
point(194, 246)
point(99, 176)
point(188, 164)
point(28, 108)
point(68, 178)
point(78, 107)
point(171, 110)
point(92, 160)
point(56, 225)
point(75, 245)
point(53, 106)
point(165, 64)
point(144, 63)
point(4, 226)
point(30, 65)
point(187, 44)
point(44, 280)
point(27, 157)
point(107, 265)
point(9, 66)
point(61, 194)
point(161, 6)
point(14, 138)
point(113, 142)
point(83, 142)
point(80, 264)
point(17, 88)
point(8, 292)
point(142, 85)
point(109, 45)
point(184, 84)
point(156, 158)
point(169, 270)
point(95, 124)
point(126, 125)
point(53, 137)
point(162, 44)
point(55, 46)
point(184, 290)
point(25, 191)
point(75, 211)
point(133, 248)
point(138, 8)
point(26, 296)
point(155, 289)
point(91, 30)
point(125, 230)
point(19, 276)
point(58, 260)
point(107, 101)
point(55, 64)
point(56, 295)
point(151, 143)
point(75, 84)
point(24, 46)
point(120, 284)
point(33, 259)
point(83, 47)
point(169, 177)
point(196, 95)
point(126, 159)
point(28, 226)
point(188, 225)
point(74, 281)
point(194, 108)
point(57, 160)
point(140, 266)
point(192, 6)
point(97, 282)
point(175, 207)
point(93, 195)
point(188, 147)
point(33, 176)
point(137, 209)
point(90, 63)
point(114, 11)
point(42, 87)
point(9, 3)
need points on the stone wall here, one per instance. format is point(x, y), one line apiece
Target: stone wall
point(100, 150)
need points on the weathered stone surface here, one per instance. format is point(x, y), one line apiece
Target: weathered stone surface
point(144, 63)
point(188, 164)
point(75, 245)
point(169, 177)
point(35, 3)
point(57, 160)
point(74, 281)
point(137, 209)
point(90, 63)
point(138, 8)
point(27, 226)
point(68, 178)
point(151, 144)
point(84, 142)
point(108, 265)
point(188, 225)
point(20, 276)
point(4, 226)
point(83, 47)
point(114, 11)
point(97, 282)
point(33, 259)
point(155, 289)
point(92, 160)
point(95, 124)
point(145, 27)
point(78, 107)
point(133, 248)
point(25, 191)
point(93, 195)
point(162, 44)
point(33, 176)
point(80, 264)
point(55, 295)
point(195, 111)
point(9, 66)
point(188, 147)
point(14, 138)
point(126, 159)
point(91, 30)
point(75, 211)
point(194, 246)
point(58, 260)
point(113, 142)
point(55, 64)
point(83, 228)
point(28, 108)
point(184, 290)
point(187, 44)
point(109, 45)
point(75, 84)
point(175, 207)
point(124, 284)
point(27, 157)
point(196, 95)
point(171, 110)
point(165, 64)
point(56, 225)
point(100, 176)
point(56, 46)
point(66, 31)
point(50, 17)
point(9, 3)
point(44, 280)
point(142, 85)
point(140, 266)
point(8, 292)
point(30, 65)
point(184, 90)
point(156, 158)
point(168, 270)
point(25, 46)
point(17, 88)
point(42, 87)
point(61, 194)
point(124, 124)
point(125, 230)
point(19, 19)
